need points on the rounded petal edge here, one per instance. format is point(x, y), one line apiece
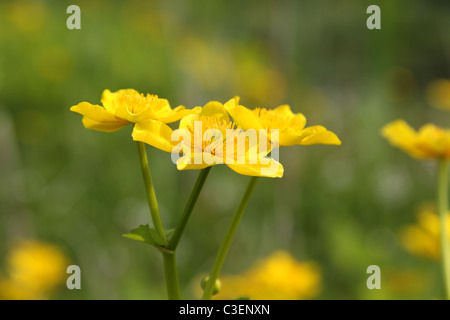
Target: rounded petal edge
point(154, 133)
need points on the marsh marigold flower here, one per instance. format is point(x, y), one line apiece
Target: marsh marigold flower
point(279, 276)
point(34, 270)
point(208, 138)
point(127, 106)
point(423, 238)
point(291, 126)
point(430, 142)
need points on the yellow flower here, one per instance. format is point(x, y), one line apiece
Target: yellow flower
point(127, 106)
point(34, 270)
point(279, 276)
point(291, 126)
point(423, 239)
point(208, 138)
point(430, 142)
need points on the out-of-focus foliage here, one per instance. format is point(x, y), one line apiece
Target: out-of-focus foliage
point(341, 207)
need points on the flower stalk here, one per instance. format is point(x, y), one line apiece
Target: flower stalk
point(224, 247)
point(443, 210)
point(175, 239)
point(169, 259)
point(150, 190)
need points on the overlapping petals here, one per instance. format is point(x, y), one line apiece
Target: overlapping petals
point(223, 142)
point(209, 138)
point(290, 126)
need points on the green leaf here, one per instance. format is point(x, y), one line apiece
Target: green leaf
point(146, 234)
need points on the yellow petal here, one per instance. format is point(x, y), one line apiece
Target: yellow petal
point(92, 111)
point(188, 120)
point(97, 118)
point(429, 221)
point(177, 113)
point(418, 241)
point(401, 135)
point(188, 162)
point(103, 126)
point(285, 110)
point(270, 168)
point(215, 109)
point(154, 133)
point(124, 113)
point(318, 135)
point(289, 136)
point(433, 141)
point(243, 117)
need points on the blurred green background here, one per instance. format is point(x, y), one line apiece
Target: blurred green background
point(341, 207)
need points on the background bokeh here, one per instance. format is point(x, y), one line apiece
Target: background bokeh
point(341, 207)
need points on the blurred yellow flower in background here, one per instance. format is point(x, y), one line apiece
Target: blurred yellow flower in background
point(127, 106)
point(438, 94)
point(291, 126)
point(423, 239)
point(277, 277)
point(27, 16)
point(34, 270)
point(430, 142)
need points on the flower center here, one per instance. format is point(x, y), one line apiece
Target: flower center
point(136, 104)
point(215, 129)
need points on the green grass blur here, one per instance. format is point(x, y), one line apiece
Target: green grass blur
point(339, 206)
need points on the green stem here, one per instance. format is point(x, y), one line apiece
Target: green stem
point(175, 239)
point(150, 190)
point(223, 250)
point(443, 209)
point(170, 267)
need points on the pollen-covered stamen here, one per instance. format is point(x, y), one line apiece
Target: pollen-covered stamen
point(136, 104)
point(133, 103)
point(215, 129)
point(271, 119)
point(158, 105)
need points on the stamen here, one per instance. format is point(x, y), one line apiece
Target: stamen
point(273, 120)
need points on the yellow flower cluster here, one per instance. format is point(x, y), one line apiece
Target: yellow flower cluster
point(278, 277)
point(208, 145)
point(423, 239)
point(34, 270)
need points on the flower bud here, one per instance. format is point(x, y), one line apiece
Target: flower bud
point(217, 285)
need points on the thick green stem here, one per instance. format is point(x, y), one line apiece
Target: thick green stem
point(175, 239)
point(223, 250)
point(170, 266)
point(443, 209)
point(170, 269)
